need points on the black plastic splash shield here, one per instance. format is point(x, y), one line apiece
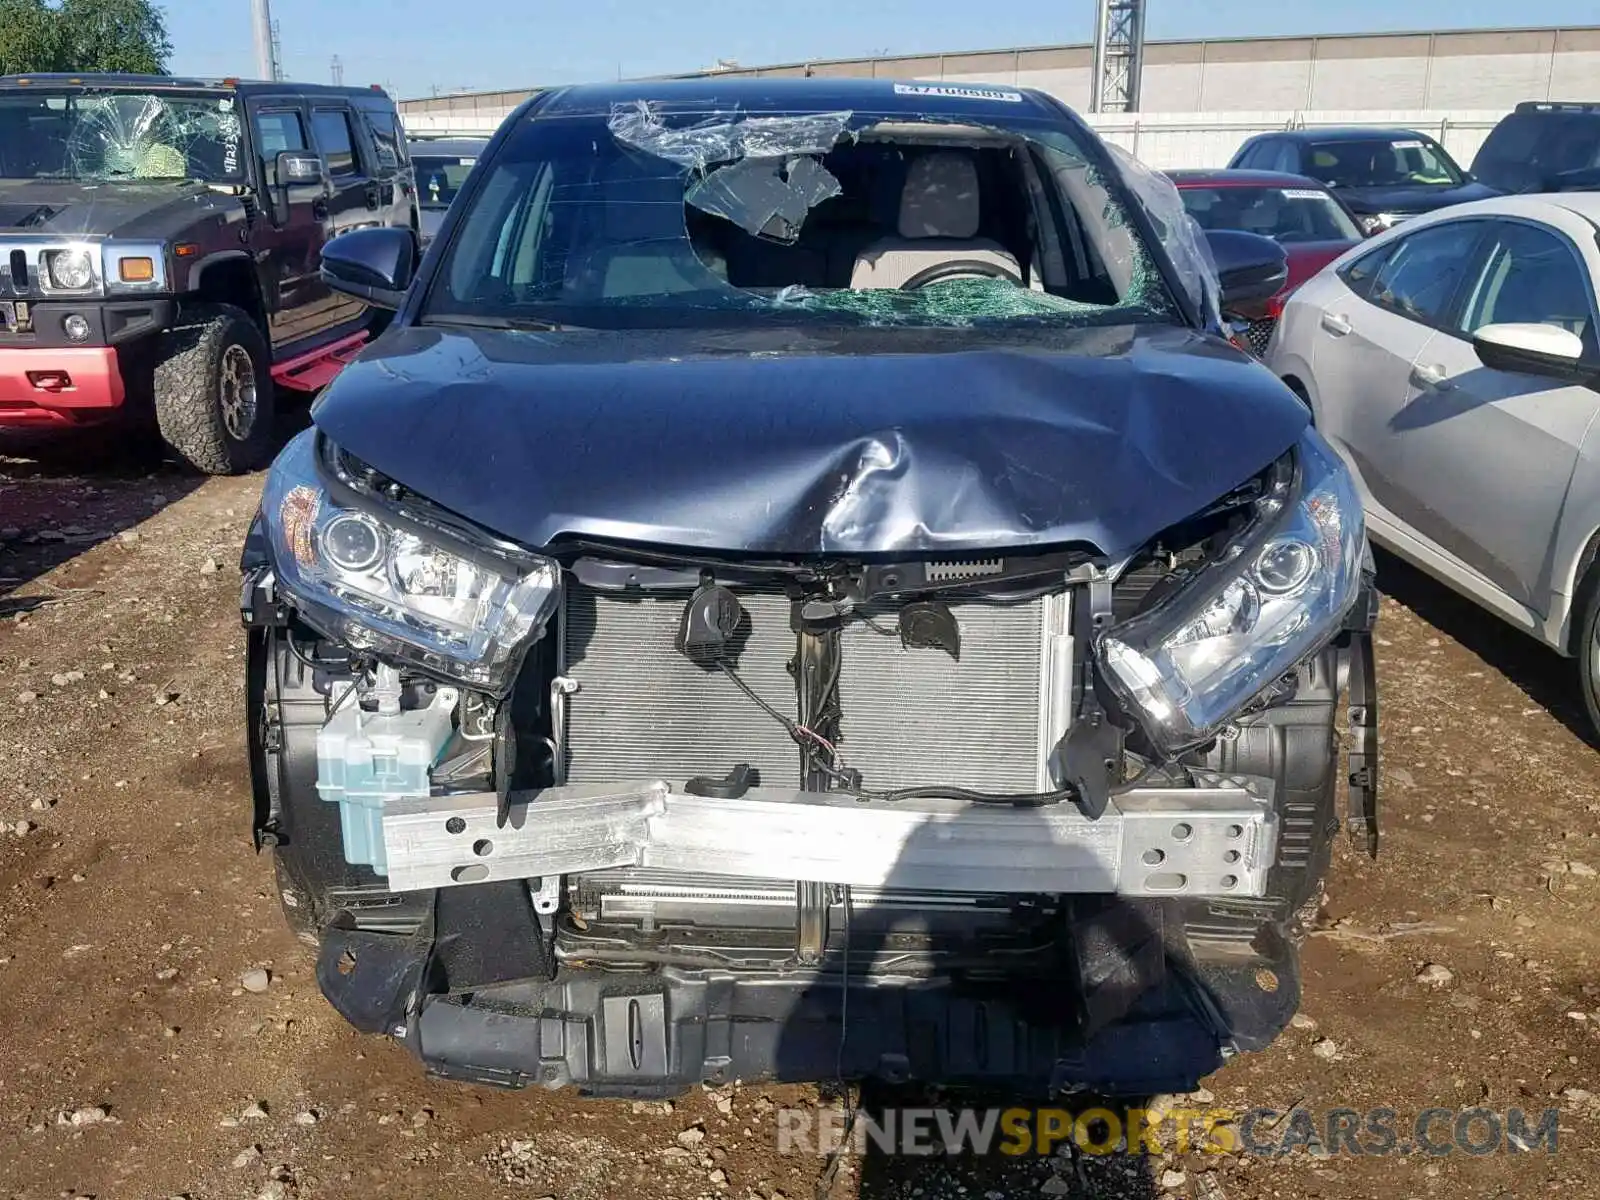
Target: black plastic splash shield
point(652, 1036)
point(815, 440)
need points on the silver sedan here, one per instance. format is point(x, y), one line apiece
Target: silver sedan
point(1455, 363)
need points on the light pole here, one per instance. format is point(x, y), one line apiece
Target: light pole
point(261, 23)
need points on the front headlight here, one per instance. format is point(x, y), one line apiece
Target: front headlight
point(1276, 594)
point(69, 270)
point(383, 585)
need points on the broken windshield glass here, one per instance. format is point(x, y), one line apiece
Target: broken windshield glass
point(102, 136)
point(870, 218)
point(772, 178)
point(724, 137)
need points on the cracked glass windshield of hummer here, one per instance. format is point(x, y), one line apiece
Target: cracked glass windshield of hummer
point(101, 136)
point(647, 216)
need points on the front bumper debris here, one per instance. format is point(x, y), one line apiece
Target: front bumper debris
point(1206, 841)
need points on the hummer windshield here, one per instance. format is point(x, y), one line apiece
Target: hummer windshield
point(100, 135)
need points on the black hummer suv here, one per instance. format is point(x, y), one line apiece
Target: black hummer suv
point(159, 249)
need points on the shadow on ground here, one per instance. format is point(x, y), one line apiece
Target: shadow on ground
point(61, 495)
point(1548, 679)
point(1053, 1171)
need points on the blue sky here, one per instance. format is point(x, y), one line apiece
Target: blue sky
point(415, 45)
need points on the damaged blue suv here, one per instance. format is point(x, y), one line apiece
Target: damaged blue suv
point(805, 587)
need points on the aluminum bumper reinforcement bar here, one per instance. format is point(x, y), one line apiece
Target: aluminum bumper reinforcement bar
point(1205, 841)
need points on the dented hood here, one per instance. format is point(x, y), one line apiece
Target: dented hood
point(791, 442)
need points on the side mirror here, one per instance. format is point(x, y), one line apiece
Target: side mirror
point(375, 265)
point(298, 167)
point(1531, 350)
point(1251, 268)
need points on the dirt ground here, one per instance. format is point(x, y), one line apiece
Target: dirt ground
point(131, 906)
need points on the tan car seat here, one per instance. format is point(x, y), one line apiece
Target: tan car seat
point(939, 217)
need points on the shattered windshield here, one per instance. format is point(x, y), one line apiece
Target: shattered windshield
point(99, 136)
point(644, 216)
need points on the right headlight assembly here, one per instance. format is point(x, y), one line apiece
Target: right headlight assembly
point(1275, 594)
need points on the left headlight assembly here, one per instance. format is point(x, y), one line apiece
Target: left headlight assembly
point(385, 585)
point(70, 269)
point(1279, 592)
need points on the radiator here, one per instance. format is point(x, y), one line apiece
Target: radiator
point(912, 717)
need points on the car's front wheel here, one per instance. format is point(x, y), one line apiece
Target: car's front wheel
point(1587, 647)
point(213, 391)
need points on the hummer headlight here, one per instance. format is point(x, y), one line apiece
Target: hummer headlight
point(69, 270)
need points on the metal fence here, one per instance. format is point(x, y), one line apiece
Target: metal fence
point(1177, 140)
point(1163, 140)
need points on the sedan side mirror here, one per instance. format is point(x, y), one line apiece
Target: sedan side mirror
point(375, 265)
point(1531, 350)
point(1251, 268)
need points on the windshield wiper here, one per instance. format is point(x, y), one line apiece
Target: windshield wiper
point(534, 324)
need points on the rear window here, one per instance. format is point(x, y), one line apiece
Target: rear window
point(1288, 214)
point(440, 177)
point(1402, 161)
point(1527, 151)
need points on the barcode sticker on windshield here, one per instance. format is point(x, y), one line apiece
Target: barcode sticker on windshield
point(1301, 194)
point(1408, 145)
point(955, 92)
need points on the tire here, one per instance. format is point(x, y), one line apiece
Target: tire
point(1586, 648)
point(213, 390)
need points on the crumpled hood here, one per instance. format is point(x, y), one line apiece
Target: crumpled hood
point(790, 443)
point(1412, 199)
point(68, 209)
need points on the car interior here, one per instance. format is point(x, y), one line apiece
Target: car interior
point(903, 216)
point(1377, 164)
point(897, 213)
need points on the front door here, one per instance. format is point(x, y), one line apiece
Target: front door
point(1492, 451)
point(1366, 346)
point(355, 200)
point(289, 235)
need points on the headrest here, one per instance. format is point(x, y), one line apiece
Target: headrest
point(940, 197)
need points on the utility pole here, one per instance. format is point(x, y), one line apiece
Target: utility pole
point(1118, 56)
point(261, 25)
point(336, 70)
point(277, 54)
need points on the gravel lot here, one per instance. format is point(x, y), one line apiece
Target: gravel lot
point(140, 1057)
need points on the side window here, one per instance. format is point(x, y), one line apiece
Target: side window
point(1358, 275)
point(1247, 155)
point(385, 137)
point(335, 139)
point(1421, 277)
point(1530, 275)
point(277, 130)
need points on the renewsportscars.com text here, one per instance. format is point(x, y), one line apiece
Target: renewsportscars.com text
point(1260, 1131)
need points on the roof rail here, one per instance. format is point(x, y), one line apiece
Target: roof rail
point(1558, 106)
